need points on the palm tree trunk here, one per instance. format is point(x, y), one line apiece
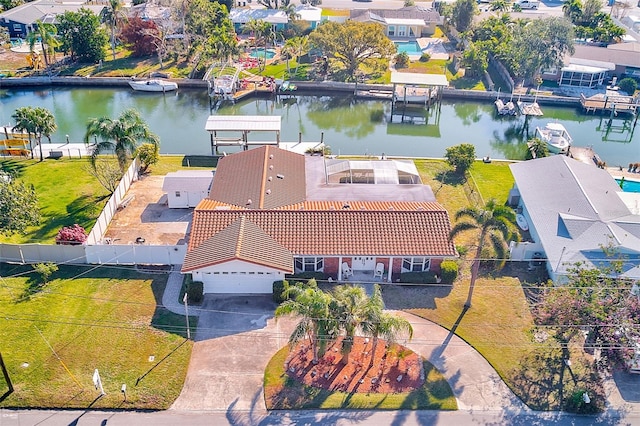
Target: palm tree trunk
point(40, 146)
point(475, 267)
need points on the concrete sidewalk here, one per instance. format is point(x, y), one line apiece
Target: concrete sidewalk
point(172, 293)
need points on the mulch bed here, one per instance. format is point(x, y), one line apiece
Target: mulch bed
point(394, 370)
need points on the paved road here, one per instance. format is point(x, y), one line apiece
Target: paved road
point(336, 418)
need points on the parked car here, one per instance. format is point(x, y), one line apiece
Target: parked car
point(528, 4)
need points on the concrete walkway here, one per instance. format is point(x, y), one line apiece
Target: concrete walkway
point(170, 297)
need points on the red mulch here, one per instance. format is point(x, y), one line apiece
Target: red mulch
point(359, 374)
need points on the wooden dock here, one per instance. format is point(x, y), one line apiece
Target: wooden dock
point(530, 109)
point(606, 103)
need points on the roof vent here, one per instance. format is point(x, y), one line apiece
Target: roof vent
point(268, 191)
point(391, 208)
point(269, 178)
point(271, 157)
point(362, 208)
point(346, 206)
point(332, 207)
point(280, 176)
point(420, 209)
point(249, 202)
point(271, 167)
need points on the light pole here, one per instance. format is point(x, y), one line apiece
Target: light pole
point(186, 314)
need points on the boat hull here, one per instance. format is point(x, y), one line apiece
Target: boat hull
point(153, 86)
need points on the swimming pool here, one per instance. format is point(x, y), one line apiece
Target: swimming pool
point(409, 47)
point(262, 53)
point(629, 185)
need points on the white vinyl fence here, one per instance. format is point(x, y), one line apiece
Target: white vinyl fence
point(110, 209)
point(35, 253)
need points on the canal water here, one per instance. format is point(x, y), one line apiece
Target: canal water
point(348, 126)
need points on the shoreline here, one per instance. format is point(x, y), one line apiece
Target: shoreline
point(303, 87)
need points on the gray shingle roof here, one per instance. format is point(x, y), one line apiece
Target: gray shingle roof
point(29, 13)
point(574, 209)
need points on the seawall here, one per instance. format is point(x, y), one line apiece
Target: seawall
point(304, 87)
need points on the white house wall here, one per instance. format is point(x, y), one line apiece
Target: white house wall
point(238, 277)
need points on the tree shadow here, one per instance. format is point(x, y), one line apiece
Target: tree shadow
point(13, 167)
point(450, 177)
point(401, 297)
point(438, 353)
point(34, 287)
point(165, 320)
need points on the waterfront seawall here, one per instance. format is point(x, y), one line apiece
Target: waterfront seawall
point(304, 87)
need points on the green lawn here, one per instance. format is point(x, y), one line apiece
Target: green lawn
point(284, 393)
point(493, 180)
point(499, 324)
point(68, 194)
point(108, 318)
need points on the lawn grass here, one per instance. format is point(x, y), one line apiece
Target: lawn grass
point(87, 318)
point(67, 193)
point(493, 180)
point(283, 393)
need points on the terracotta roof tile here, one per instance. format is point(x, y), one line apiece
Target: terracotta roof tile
point(241, 240)
point(260, 178)
point(339, 232)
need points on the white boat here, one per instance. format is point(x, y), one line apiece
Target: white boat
point(505, 109)
point(556, 136)
point(154, 85)
point(522, 222)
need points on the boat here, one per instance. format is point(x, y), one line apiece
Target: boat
point(522, 222)
point(153, 85)
point(556, 136)
point(505, 109)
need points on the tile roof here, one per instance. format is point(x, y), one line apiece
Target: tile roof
point(260, 178)
point(409, 12)
point(340, 232)
point(240, 240)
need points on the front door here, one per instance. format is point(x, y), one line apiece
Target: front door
point(363, 263)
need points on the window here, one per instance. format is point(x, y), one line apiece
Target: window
point(309, 264)
point(416, 264)
point(402, 31)
point(177, 194)
point(391, 30)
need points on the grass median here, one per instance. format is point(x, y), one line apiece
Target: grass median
point(108, 318)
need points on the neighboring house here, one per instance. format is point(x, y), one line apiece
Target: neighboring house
point(591, 66)
point(21, 20)
point(150, 12)
point(241, 16)
point(575, 210)
point(408, 22)
point(310, 14)
point(186, 188)
point(272, 212)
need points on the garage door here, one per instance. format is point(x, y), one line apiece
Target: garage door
point(238, 283)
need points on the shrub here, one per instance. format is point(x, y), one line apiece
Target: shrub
point(45, 270)
point(629, 85)
point(195, 291)
point(461, 156)
point(448, 271)
point(318, 276)
point(576, 403)
point(418, 278)
point(425, 57)
point(402, 60)
point(71, 235)
point(149, 154)
point(462, 250)
point(279, 288)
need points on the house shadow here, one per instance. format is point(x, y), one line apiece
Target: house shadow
point(423, 296)
point(228, 314)
point(160, 212)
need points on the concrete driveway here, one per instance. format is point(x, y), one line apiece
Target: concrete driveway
point(237, 336)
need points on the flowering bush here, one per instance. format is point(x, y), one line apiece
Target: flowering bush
point(71, 235)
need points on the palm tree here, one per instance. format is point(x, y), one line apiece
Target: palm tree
point(494, 222)
point(500, 6)
point(46, 34)
point(378, 323)
point(121, 135)
point(572, 10)
point(300, 47)
point(35, 121)
point(537, 148)
point(317, 322)
point(114, 15)
point(352, 306)
point(23, 118)
point(260, 29)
